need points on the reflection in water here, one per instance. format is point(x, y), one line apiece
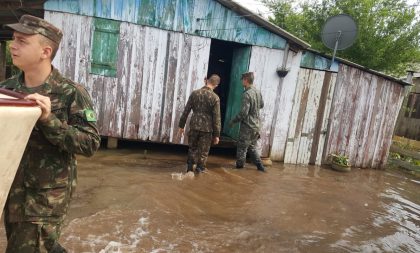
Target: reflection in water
point(127, 201)
point(396, 227)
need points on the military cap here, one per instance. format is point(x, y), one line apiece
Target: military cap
point(33, 25)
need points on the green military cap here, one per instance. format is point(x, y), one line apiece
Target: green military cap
point(33, 25)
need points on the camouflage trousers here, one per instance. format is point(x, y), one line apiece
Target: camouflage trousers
point(247, 144)
point(28, 237)
point(199, 146)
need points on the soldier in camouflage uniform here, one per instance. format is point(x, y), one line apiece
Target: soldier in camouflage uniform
point(249, 118)
point(204, 124)
point(40, 194)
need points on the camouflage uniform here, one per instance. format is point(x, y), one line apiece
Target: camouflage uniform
point(249, 117)
point(204, 124)
point(46, 177)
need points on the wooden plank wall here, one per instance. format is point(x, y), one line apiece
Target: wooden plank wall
point(363, 115)
point(309, 118)
point(263, 63)
point(156, 72)
point(408, 123)
point(409, 128)
point(206, 18)
point(285, 98)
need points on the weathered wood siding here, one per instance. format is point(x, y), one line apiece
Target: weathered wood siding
point(277, 95)
point(309, 118)
point(156, 72)
point(283, 108)
point(363, 115)
point(408, 123)
point(315, 61)
point(207, 18)
point(263, 63)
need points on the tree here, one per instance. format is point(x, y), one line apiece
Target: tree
point(388, 37)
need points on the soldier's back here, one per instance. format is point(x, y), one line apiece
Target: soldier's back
point(204, 100)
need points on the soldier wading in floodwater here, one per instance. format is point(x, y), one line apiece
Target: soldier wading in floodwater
point(204, 124)
point(249, 118)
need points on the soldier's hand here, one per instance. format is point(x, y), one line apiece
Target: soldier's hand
point(215, 140)
point(43, 102)
point(181, 131)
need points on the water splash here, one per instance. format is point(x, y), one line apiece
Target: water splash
point(180, 176)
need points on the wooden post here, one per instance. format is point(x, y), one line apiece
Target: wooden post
point(320, 118)
point(112, 143)
point(2, 60)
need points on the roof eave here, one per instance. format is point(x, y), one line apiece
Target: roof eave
point(264, 23)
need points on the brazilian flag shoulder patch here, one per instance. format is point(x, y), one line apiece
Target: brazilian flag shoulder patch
point(90, 115)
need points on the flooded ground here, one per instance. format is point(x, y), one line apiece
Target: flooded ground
point(133, 200)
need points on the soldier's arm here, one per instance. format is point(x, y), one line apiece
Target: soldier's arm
point(79, 134)
point(185, 113)
point(245, 105)
point(216, 119)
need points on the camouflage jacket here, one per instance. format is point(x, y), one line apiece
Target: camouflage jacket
point(249, 115)
point(206, 111)
point(46, 175)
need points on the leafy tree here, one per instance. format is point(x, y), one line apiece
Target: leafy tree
point(388, 37)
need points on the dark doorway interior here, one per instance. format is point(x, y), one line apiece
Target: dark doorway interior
point(220, 63)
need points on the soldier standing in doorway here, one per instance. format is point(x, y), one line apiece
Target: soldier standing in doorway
point(40, 194)
point(249, 119)
point(205, 124)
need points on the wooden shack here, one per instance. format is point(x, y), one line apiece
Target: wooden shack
point(347, 109)
point(141, 59)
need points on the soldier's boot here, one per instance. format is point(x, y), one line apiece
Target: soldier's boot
point(57, 248)
point(239, 165)
point(260, 167)
point(199, 169)
point(190, 167)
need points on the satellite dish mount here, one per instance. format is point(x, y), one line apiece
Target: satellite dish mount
point(338, 33)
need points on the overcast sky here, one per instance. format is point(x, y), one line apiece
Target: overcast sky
point(255, 6)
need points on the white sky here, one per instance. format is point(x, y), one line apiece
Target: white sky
point(255, 6)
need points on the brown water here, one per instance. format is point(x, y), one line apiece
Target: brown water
point(129, 201)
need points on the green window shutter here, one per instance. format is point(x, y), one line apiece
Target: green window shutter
point(105, 47)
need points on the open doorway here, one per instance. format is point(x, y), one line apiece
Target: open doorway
point(224, 61)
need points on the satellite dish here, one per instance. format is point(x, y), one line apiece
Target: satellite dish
point(339, 32)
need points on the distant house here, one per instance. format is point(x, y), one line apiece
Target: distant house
point(141, 59)
point(408, 124)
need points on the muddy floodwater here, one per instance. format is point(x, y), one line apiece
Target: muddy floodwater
point(137, 200)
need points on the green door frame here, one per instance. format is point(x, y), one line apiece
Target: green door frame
point(240, 64)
